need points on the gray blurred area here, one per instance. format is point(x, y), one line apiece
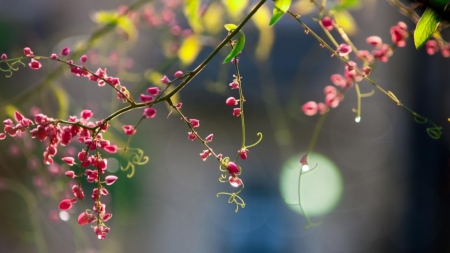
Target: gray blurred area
point(395, 193)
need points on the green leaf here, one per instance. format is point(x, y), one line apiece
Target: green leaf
point(426, 26)
point(238, 46)
point(191, 11)
point(281, 6)
point(230, 27)
point(440, 3)
point(347, 4)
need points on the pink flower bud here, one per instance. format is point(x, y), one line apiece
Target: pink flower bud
point(191, 136)
point(330, 90)
point(109, 180)
point(235, 181)
point(209, 138)
point(69, 160)
point(35, 64)
point(78, 192)
point(83, 59)
point(374, 41)
point(149, 113)
point(234, 85)
point(146, 98)
point(243, 153)
point(233, 168)
point(237, 112)
point(322, 108)
point(327, 22)
point(2, 136)
point(27, 51)
point(70, 174)
point(432, 47)
point(85, 218)
point(106, 216)
point(178, 74)
point(4, 57)
point(204, 155)
point(153, 91)
point(65, 51)
point(194, 123)
point(310, 108)
point(338, 80)
point(54, 56)
point(344, 49)
point(165, 80)
point(86, 114)
point(129, 129)
point(111, 149)
point(65, 204)
point(231, 101)
point(332, 100)
point(178, 106)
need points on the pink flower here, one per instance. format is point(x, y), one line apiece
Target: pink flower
point(65, 51)
point(432, 47)
point(146, 98)
point(235, 181)
point(153, 91)
point(332, 100)
point(178, 106)
point(65, 204)
point(445, 51)
point(399, 33)
point(34, 64)
point(209, 138)
point(234, 85)
point(110, 149)
point(86, 114)
point(232, 168)
point(231, 101)
point(178, 74)
point(338, 80)
point(322, 108)
point(4, 57)
point(85, 218)
point(237, 112)
point(327, 22)
point(83, 59)
point(53, 56)
point(27, 51)
point(109, 180)
point(70, 174)
point(129, 129)
point(165, 80)
point(310, 108)
point(149, 113)
point(78, 192)
point(243, 153)
point(204, 155)
point(330, 90)
point(191, 136)
point(69, 160)
point(344, 49)
point(194, 123)
point(374, 41)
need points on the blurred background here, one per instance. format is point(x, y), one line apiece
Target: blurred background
point(381, 185)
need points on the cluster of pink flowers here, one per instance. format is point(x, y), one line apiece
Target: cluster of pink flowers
point(433, 47)
point(231, 101)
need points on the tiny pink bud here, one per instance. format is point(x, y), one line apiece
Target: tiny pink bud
point(153, 91)
point(54, 56)
point(327, 22)
point(178, 106)
point(27, 51)
point(109, 180)
point(106, 216)
point(234, 85)
point(165, 80)
point(338, 80)
point(69, 160)
point(332, 100)
point(4, 57)
point(18, 116)
point(2, 136)
point(178, 74)
point(322, 108)
point(237, 112)
point(85, 218)
point(65, 204)
point(129, 129)
point(344, 49)
point(70, 174)
point(231, 101)
point(146, 98)
point(65, 51)
point(432, 47)
point(204, 155)
point(330, 90)
point(310, 108)
point(209, 138)
point(110, 149)
point(233, 168)
point(34, 64)
point(83, 59)
point(86, 114)
point(243, 153)
point(149, 113)
point(194, 123)
point(374, 41)
point(191, 136)
point(235, 181)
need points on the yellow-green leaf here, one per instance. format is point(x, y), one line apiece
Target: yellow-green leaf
point(191, 11)
point(10, 110)
point(122, 22)
point(426, 26)
point(213, 18)
point(63, 101)
point(235, 7)
point(280, 7)
point(346, 21)
point(189, 49)
point(238, 46)
point(230, 27)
